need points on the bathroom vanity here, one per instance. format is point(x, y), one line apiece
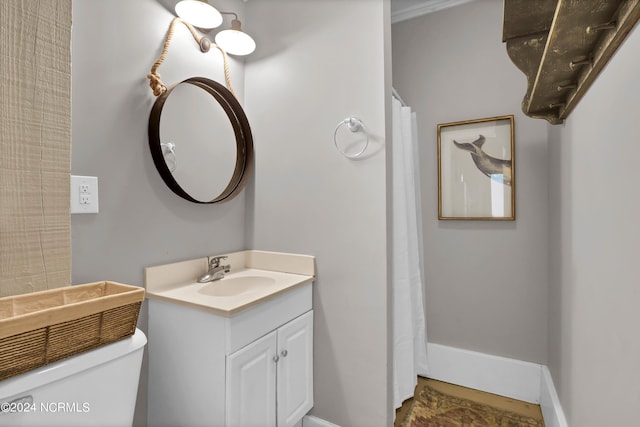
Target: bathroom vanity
point(236, 351)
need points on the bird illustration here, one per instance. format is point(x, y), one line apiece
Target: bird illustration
point(496, 169)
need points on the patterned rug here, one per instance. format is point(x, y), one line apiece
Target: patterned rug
point(431, 408)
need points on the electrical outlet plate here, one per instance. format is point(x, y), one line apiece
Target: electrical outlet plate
point(84, 194)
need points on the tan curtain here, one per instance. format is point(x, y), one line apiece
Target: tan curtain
point(35, 145)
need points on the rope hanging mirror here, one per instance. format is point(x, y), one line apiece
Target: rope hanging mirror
point(202, 148)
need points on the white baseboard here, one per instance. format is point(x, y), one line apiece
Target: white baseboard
point(549, 403)
point(494, 374)
point(512, 378)
point(311, 421)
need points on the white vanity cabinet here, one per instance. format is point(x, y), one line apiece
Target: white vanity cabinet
point(270, 381)
point(208, 369)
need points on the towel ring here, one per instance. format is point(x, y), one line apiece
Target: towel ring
point(354, 124)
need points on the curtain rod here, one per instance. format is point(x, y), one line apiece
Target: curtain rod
point(398, 97)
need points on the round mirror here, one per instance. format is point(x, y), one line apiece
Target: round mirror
point(200, 141)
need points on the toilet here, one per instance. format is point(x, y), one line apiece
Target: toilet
point(94, 388)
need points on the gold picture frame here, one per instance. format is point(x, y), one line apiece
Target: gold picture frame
point(476, 170)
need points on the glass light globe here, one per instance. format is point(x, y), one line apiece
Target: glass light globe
point(199, 13)
point(235, 41)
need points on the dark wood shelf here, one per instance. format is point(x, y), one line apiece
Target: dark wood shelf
point(562, 46)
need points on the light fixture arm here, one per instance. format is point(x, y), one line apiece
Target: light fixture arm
point(235, 15)
point(205, 44)
point(235, 22)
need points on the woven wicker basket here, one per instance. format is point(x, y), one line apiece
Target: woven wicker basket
point(42, 327)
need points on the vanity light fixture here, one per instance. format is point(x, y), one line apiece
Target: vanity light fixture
point(199, 13)
point(234, 40)
point(203, 16)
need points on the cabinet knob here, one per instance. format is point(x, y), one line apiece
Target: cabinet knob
point(276, 358)
point(284, 353)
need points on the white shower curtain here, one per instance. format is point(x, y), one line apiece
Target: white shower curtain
point(409, 326)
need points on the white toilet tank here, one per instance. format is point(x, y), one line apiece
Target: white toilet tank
point(94, 388)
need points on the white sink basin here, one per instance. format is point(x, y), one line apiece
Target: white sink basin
point(234, 292)
point(234, 286)
point(254, 277)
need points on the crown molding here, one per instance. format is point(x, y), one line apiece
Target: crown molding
point(428, 6)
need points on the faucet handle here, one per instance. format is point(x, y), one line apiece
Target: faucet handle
point(215, 261)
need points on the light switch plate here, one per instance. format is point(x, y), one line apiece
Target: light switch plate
point(84, 194)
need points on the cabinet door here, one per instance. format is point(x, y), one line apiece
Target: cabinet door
point(295, 370)
point(251, 388)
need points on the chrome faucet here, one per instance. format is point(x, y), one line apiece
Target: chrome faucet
point(216, 271)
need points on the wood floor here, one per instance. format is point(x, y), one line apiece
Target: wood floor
point(504, 403)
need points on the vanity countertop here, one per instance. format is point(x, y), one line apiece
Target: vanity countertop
point(254, 277)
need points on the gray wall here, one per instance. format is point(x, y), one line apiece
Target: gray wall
point(595, 344)
point(317, 63)
point(486, 282)
point(141, 222)
point(307, 198)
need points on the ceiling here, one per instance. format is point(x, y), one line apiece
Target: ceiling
point(401, 10)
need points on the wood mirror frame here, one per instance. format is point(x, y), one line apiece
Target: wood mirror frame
point(241, 129)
